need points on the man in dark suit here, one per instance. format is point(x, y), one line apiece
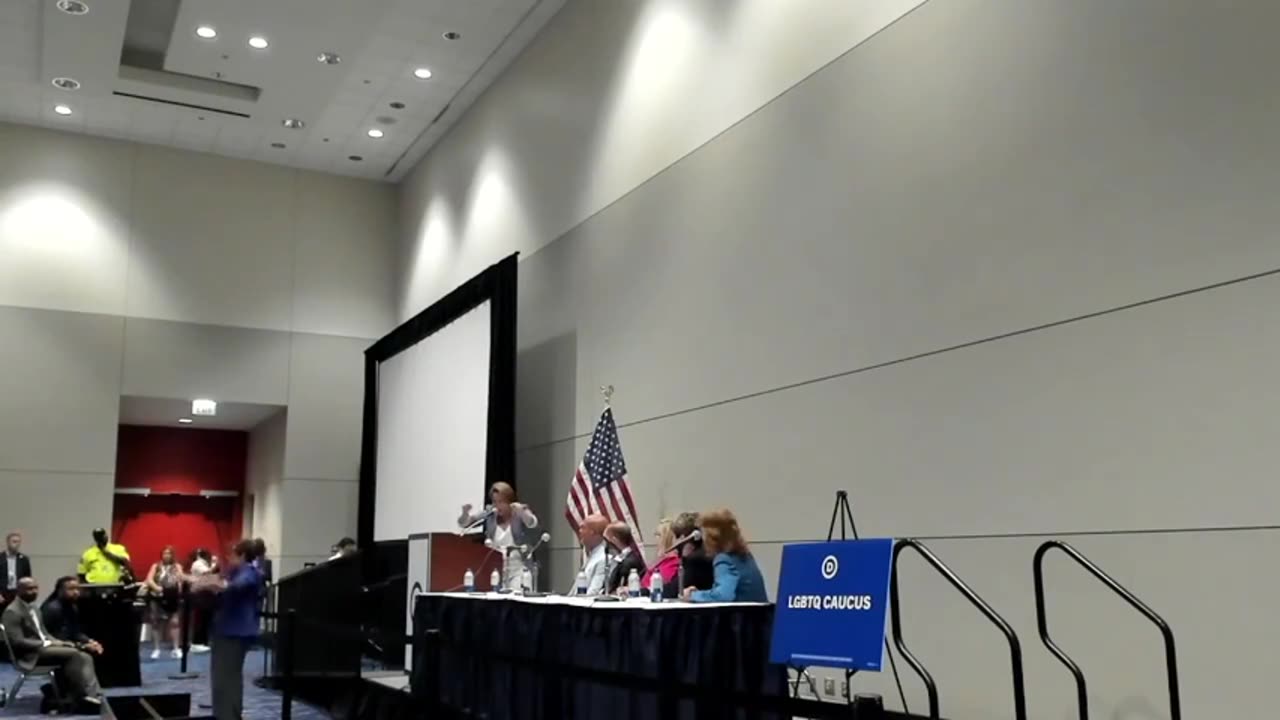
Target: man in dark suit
point(626, 558)
point(16, 567)
point(33, 645)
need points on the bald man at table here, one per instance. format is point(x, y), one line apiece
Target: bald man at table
point(596, 566)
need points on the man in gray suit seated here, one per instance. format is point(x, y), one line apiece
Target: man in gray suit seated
point(33, 645)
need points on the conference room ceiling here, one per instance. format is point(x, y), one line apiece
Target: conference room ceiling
point(144, 73)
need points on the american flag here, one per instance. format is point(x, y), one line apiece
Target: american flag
point(600, 485)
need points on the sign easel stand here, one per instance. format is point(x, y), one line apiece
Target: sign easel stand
point(848, 527)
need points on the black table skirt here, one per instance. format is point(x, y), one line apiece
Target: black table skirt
point(503, 659)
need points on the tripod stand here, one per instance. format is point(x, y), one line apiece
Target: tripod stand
point(842, 510)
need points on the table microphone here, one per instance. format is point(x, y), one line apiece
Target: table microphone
point(526, 550)
point(693, 537)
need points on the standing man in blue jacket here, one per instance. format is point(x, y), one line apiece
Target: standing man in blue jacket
point(235, 627)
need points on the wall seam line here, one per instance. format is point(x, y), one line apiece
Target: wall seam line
point(928, 353)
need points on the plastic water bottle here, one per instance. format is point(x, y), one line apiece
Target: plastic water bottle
point(633, 583)
point(469, 581)
point(655, 587)
point(526, 580)
point(495, 580)
point(582, 582)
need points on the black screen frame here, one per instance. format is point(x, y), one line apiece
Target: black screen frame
point(498, 286)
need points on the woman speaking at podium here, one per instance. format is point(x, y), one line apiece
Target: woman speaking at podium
point(508, 525)
point(506, 522)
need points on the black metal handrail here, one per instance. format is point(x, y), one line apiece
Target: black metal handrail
point(1082, 698)
point(1015, 648)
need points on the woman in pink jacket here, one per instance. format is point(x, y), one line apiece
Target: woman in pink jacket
point(667, 563)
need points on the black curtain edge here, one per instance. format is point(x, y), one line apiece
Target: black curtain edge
point(498, 284)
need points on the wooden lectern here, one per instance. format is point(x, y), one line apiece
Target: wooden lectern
point(437, 563)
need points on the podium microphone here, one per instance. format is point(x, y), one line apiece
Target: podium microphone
point(489, 510)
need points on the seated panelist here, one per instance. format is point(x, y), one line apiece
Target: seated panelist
point(626, 557)
point(695, 564)
point(507, 523)
point(666, 564)
point(737, 577)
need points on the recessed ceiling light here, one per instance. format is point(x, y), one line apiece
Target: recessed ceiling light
point(66, 83)
point(293, 123)
point(397, 105)
point(62, 109)
point(278, 145)
point(185, 421)
point(354, 158)
point(422, 73)
point(374, 133)
point(207, 32)
point(257, 42)
point(451, 35)
point(73, 7)
point(329, 58)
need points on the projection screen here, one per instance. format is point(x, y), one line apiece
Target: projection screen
point(439, 412)
point(433, 417)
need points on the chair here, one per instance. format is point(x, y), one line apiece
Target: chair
point(37, 672)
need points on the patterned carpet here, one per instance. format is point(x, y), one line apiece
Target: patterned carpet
point(259, 704)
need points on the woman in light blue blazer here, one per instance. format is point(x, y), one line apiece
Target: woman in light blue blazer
point(737, 577)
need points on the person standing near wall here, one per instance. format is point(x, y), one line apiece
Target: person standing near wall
point(164, 588)
point(235, 627)
point(16, 567)
point(105, 562)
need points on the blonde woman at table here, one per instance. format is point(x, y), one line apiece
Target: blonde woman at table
point(666, 563)
point(737, 577)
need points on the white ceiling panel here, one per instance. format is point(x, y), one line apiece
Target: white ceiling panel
point(146, 76)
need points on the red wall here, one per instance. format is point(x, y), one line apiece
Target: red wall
point(183, 461)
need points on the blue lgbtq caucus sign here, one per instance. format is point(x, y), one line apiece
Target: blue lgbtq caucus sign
point(833, 600)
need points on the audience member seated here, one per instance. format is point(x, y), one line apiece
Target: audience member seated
point(33, 645)
point(625, 559)
point(591, 534)
point(737, 577)
point(508, 523)
point(16, 566)
point(61, 615)
point(666, 563)
point(164, 593)
point(105, 563)
point(694, 561)
point(346, 546)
